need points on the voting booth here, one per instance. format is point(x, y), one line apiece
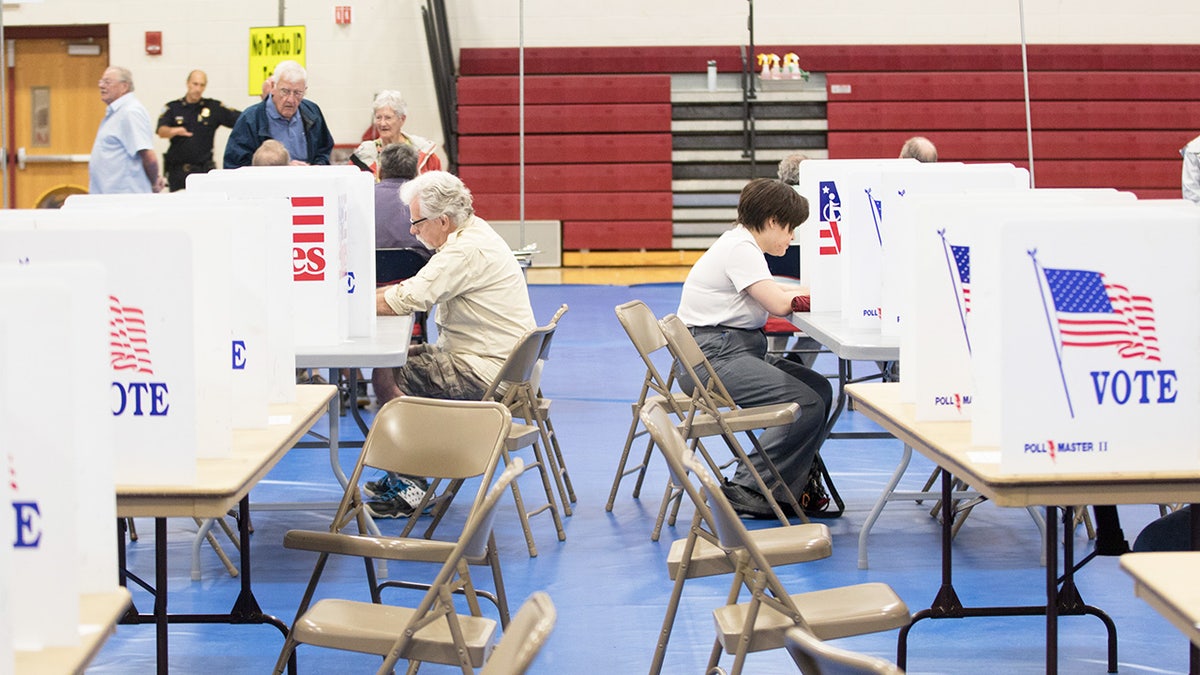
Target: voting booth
point(331, 239)
point(58, 458)
point(1099, 341)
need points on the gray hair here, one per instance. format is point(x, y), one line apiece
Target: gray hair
point(920, 149)
point(398, 160)
point(390, 98)
point(289, 71)
point(441, 194)
point(123, 75)
point(270, 153)
point(789, 168)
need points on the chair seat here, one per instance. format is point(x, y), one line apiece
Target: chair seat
point(384, 548)
point(745, 419)
point(682, 401)
point(830, 614)
point(521, 436)
point(782, 546)
point(372, 629)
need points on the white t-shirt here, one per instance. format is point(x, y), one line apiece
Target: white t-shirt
point(714, 293)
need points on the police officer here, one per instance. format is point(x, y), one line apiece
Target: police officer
point(190, 123)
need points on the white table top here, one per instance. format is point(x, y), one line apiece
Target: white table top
point(949, 445)
point(1167, 582)
point(221, 483)
point(98, 615)
point(850, 344)
point(389, 347)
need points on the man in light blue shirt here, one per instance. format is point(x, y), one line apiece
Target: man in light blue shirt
point(123, 158)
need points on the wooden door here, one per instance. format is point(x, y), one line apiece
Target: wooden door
point(55, 109)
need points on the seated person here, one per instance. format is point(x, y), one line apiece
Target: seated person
point(270, 153)
point(1172, 532)
point(725, 302)
point(483, 309)
point(397, 166)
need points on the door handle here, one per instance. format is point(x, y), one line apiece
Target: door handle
point(24, 158)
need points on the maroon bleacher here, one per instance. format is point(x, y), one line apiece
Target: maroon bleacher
point(598, 119)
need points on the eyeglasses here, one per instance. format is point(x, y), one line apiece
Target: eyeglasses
point(418, 221)
point(289, 93)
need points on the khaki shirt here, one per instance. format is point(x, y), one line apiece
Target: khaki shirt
point(482, 301)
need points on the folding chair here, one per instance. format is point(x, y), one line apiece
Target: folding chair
point(815, 657)
point(761, 623)
point(393, 265)
point(700, 554)
point(642, 327)
point(514, 388)
point(434, 630)
point(713, 412)
point(553, 451)
point(446, 440)
point(523, 638)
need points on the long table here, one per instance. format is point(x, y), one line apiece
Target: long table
point(948, 444)
point(220, 485)
point(98, 615)
point(1167, 582)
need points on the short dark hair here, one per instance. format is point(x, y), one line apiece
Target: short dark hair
point(765, 198)
point(398, 160)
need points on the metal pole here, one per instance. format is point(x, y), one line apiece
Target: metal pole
point(521, 118)
point(3, 112)
point(1025, 72)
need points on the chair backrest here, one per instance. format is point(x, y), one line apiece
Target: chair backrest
point(518, 368)
point(436, 437)
point(523, 638)
point(544, 354)
point(709, 390)
point(397, 264)
point(642, 327)
point(438, 598)
point(674, 450)
point(815, 657)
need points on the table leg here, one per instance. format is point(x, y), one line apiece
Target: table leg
point(1052, 589)
point(160, 594)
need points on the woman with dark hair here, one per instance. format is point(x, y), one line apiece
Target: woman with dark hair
point(726, 299)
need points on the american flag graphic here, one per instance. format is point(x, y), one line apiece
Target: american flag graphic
point(127, 342)
point(962, 265)
point(308, 221)
point(830, 238)
point(1093, 312)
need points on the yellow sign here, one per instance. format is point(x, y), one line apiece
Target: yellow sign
point(269, 46)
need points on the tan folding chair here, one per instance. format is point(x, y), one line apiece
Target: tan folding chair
point(513, 387)
point(523, 638)
point(713, 412)
point(449, 441)
point(554, 454)
point(761, 623)
point(433, 631)
point(642, 327)
point(700, 554)
point(815, 657)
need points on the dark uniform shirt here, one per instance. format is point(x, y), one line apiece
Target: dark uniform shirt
point(201, 119)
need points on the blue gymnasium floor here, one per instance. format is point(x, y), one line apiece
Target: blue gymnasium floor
point(608, 580)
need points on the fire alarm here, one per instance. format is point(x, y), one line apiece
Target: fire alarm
point(154, 42)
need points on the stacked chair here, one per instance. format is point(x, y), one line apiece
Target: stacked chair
point(815, 657)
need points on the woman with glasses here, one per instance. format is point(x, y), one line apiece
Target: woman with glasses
point(390, 113)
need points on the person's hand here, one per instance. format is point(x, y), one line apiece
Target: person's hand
point(181, 131)
point(297, 162)
point(159, 183)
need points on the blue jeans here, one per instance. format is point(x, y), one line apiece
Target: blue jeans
point(753, 378)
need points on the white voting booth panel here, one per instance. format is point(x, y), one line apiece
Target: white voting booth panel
point(160, 421)
point(830, 185)
point(58, 458)
point(1099, 339)
point(230, 235)
point(900, 184)
point(940, 301)
point(323, 201)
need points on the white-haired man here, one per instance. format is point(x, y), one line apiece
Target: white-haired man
point(286, 116)
point(483, 309)
point(123, 158)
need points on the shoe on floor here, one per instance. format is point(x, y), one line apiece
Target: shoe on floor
point(376, 489)
point(400, 502)
point(747, 503)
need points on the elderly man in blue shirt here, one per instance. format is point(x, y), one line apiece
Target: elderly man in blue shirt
point(285, 116)
point(123, 158)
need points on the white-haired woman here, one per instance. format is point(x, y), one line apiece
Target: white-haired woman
point(390, 113)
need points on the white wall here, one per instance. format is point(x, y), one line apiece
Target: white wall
point(384, 47)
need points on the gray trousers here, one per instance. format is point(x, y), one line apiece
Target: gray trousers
point(754, 378)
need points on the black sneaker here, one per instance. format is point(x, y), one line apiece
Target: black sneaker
point(401, 500)
point(378, 489)
point(747, 503)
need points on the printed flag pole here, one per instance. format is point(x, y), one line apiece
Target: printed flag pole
point(962, 315)
point(876, 213)
point(1037, 271)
